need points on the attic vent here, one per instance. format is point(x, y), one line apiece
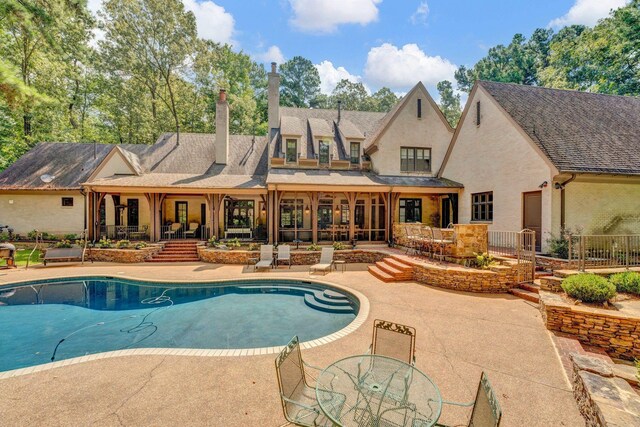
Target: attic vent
point(478, 113)
point(419, 108)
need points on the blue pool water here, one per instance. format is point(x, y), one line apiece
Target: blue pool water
point(65, 318)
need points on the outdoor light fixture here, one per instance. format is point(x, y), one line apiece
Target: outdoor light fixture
point(306, 209)
point(263, 209)
point(543, 185)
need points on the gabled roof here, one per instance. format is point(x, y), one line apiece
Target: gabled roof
point(372, 138)
point(70, 164)
point(291, 126)
point(578, 131)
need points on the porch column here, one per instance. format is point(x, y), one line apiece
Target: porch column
point(270, 222)
point(393, 201)
point(209, 201)
point(313, 201)
point(152, 224)
point(96, 224)
point(351, 200)
point(91, 208)
point(159, 200)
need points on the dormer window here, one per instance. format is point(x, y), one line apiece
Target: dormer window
point(291, 154)
point(323, 152)
point(354, 150)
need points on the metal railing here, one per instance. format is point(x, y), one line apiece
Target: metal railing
point(178, 231)
point(517, 244)
point(125, 232)
point(503, 243)
point(604, 251)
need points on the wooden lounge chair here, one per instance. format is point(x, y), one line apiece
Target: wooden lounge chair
point(326, 261)
point(486, 410)
point(284, 255)
point(193, 229)
point(175, 227)
point(64, 255)
point(298, 398)
point(266, 257)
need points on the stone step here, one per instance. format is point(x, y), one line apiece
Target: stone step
point(526, 295)
point(382, 265)
point(328, 293)
point(310, 301)
point(403, 259)
point(375, 271)
point(531, 287)
point(319, 297)
point(398, 265)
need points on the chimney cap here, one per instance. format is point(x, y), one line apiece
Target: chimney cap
point(223, 95)
point(273, 67)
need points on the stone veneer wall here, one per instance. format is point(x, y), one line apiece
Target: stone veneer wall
point(498, 279)
point(304, 257)
point(468, 238)
point(615, 332)
point(124, 256)
point(552, 263)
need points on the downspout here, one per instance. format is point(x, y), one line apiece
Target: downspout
point(84, 194)
point(390, 217)
point(562, 186)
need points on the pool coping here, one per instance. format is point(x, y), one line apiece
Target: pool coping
point(363, 313)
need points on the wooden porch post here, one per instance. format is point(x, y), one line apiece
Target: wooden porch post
point(385, 203)
point(90, 216)
point(152, 225)
point(313, 201)
point(96, 223)
point(351, 200)
point(270, 197)
point(208, 199)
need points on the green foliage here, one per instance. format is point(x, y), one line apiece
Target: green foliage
point(22, 255)
point(140, 245)
point(449, 102)
point(63, 244)
point(4, 237)
point(558, 246)
point(588, 287)
point(314, 247)
point(338, 246)
point(44, 235)
point(484, 260)
point(105, 243)
point(212, 242)
point(233, 243)
point(123, 244)
point(71, 236)
point(254, 246)
point(300, 82)
point(628, 281)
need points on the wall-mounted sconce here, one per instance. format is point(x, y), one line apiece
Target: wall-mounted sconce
point(558, 186)
point(306, 209)
point(11, 201)
point(543, 185)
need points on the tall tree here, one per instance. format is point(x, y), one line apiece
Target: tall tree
point(151, 41)
point(300, 83)
point(353, 96)
point(384, 99)
point(449, 102)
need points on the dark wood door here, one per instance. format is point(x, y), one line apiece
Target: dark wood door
point(532, 214)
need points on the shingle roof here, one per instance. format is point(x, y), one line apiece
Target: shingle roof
point(291, 126)
point(577, 131)
point(70, 164)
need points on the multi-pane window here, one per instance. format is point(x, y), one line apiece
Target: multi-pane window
point(292, 151)
point(291, 213)
point(355, 153)
point(415, 159)
point(239, 213)
point(323, 149)
point(67, 202)
point(410, 210)
point(133, 212)
point(482, 206)
point(181, 212)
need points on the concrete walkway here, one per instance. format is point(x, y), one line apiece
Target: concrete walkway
point(459, 335)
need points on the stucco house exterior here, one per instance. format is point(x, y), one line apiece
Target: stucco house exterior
point(547, 159)
point(521, 157)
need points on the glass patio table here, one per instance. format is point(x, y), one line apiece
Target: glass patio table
point(378, 391)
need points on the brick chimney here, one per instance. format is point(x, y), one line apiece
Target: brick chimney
point(273, 99)
point(222, 129)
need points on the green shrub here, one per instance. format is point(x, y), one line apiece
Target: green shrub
point(254, 246)
point(484, 260)
point(140, 245)
point(70, 237)
point(105, 243)
point(559, 244)
point(123, 244)
point(338, 246)
point(212, 242)
point(233, 243)
point(589, 287)
point(4, 237)
point(63, 244)
point(629, 281)
point(314, 247)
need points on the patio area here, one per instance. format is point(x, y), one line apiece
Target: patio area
point(458, 336)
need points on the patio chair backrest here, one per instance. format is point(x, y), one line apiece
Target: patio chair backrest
point(291, 378)
point(176, 226)
point(426, 233)
point(193, 226)
point(284, 252)
point(394, 340)
point(486, 409)
point(437, 233)
point(266, 252)
point(326, 256)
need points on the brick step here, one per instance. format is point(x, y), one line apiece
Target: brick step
point(398, 265)
point(403, 259)
point(393, 272)
point(161, 255)
point(179, 251)
point(526, 295)
point(375, 271)
point(173, 260)
point(531, 287)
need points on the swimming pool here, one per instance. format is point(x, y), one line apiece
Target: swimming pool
point(56, 319)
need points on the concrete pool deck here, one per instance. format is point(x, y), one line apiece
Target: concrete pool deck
point(458, 336)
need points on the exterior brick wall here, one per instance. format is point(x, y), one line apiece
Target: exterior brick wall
point(615, 332)
point(124, 256)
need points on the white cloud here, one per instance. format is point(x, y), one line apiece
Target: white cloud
point(214, 22)
point(421, 13)
point(324, 16)
point(330, 76)
point(273, 54)
point(587, 12)
point(401, 68)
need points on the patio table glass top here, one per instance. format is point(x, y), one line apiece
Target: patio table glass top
point(370, 390)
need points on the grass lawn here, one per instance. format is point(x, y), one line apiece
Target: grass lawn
point(23, 254)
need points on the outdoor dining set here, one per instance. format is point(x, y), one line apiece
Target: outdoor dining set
point(429, 241)
point(381, 388)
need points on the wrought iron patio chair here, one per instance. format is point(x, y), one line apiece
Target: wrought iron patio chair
point(412, 236)
point(426, 241)
point(394, 340)
point(440, 243)
point(298, 398)
point(486, 410)
point(284, 255)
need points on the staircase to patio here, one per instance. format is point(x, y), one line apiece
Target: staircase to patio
point(177, 251)
point(392, 269)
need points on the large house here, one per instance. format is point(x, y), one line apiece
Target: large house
point(521, 157)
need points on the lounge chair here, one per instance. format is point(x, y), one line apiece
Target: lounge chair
point(299, 402)
point(284, 255)
point(486, 410)
point(326, 261)
point(193, 229)
point(175, 227)
point(266, 257)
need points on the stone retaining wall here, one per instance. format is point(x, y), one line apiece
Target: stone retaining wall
point(242, 257)
point(551, 263)
point(498, 279)
point(615, 332)
point(124, 256)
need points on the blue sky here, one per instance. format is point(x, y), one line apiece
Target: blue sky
point(390, 43)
